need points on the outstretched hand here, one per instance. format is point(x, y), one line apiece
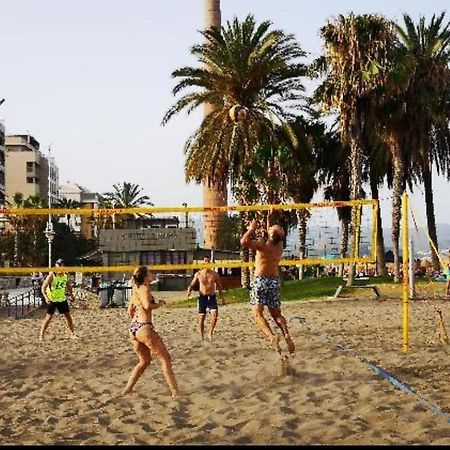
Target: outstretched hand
point(253, 225)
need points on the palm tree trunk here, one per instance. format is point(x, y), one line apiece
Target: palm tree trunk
point(245, 272)
point(380, 251)
point(398, 188)
point(302, 221)
point(431, 220)
point(214, 190)
point(355, 176)
point(344, 244)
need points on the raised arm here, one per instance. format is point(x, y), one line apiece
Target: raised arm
point(247, 240)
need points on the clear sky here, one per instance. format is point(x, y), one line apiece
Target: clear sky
point(92, 78)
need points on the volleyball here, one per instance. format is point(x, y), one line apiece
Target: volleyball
point(238, 113)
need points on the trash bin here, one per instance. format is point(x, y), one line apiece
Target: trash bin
point(119, 296)
point(103, 295)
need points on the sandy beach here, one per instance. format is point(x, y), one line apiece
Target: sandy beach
point(67, 391)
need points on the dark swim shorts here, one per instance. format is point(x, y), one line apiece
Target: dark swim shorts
point(62, 307)
point(206, 302)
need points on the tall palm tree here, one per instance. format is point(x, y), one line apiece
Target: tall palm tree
point(126, 195)
point(299, 166)
point(215, 192)
point(35, 224)
point(357, 48)
point(16, 222)
point(246, 67)
point(424, 60)
point(334, 176)
point(378, 170)
point(68, 203)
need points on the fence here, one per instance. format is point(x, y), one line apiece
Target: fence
point(20, 305)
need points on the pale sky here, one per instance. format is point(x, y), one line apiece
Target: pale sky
point(92, 78)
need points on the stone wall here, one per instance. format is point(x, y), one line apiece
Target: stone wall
point(147, 239)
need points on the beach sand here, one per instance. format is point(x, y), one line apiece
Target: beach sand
point(67, 391)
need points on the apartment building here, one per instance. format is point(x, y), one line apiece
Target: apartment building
point(27, 170)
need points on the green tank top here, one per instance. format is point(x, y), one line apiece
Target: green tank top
point(58, 288)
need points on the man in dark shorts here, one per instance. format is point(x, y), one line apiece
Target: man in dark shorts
point(207, 280)
point(265, 288)
point(55, 289)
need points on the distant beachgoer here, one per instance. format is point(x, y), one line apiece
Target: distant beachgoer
point(207, 280)
point(55, 289)
point(146, 341)
point(265, 289)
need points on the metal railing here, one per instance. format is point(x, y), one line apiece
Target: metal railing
point(20, 305)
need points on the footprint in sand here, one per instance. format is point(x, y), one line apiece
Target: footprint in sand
point(147, 428)
point(104, 421)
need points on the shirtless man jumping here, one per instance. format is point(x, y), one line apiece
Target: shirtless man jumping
point(208, 279)
point(265, 288)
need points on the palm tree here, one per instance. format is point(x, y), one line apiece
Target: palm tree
point(299, 166)
point(127, 195)
point(357, 49)
point(424, 61)
point(334, 176)
point(247, 67)
point(17, 223)
point(215, 192)
point(68, 203)
point(35, 224)
point(378, 170)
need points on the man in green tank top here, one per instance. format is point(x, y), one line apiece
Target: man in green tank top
point(55, 289)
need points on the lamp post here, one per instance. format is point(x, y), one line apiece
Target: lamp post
point(186, 216)
point(114, 215)
point(49, 233)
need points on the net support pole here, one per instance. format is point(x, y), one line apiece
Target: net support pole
point(405, 245)
point(412, 281)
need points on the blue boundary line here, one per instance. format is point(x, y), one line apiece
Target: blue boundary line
point(380, 372)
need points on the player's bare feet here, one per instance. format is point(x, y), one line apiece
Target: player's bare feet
point(290, 344)
point(74, 336)
point(127, 391)
point(41, 338)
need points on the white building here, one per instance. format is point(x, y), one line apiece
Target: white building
point(84, 198)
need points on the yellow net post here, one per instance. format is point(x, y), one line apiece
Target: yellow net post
point(405, 241)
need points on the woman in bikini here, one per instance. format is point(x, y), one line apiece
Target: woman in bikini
point(145, 339)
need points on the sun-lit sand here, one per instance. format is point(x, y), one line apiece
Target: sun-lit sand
point(234, 388)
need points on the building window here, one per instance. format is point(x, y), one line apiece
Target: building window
point(30, 180)
point(176, 257)
point(30, 166)
point(150, 258)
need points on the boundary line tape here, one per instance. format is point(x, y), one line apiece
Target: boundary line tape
point(380, 372)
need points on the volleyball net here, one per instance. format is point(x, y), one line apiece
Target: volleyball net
point(171, 239)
